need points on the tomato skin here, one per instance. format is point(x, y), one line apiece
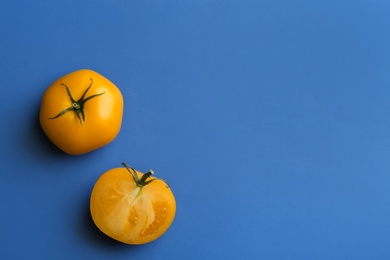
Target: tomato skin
point(129, 213)
point(103, 113)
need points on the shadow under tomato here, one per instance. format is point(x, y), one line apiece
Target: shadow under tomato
point(36, 142)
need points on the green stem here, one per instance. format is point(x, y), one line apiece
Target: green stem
point(77, 105)
point(145, 179)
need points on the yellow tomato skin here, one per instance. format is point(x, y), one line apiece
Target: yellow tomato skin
point(129, 213)
point(103, 113)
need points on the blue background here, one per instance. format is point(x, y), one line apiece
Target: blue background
point(268, 118)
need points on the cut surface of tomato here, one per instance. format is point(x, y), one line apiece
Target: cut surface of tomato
point(132, 207)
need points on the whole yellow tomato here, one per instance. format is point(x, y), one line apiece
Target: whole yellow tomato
point(81, 111)
point(132, 207)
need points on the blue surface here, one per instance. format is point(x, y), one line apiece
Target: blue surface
point(269, 119)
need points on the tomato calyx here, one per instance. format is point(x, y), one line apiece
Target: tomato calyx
point(145, 179)
point(77, 105)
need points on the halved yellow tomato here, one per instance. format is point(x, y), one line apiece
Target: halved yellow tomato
point(132, 207)
point(81, 111)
